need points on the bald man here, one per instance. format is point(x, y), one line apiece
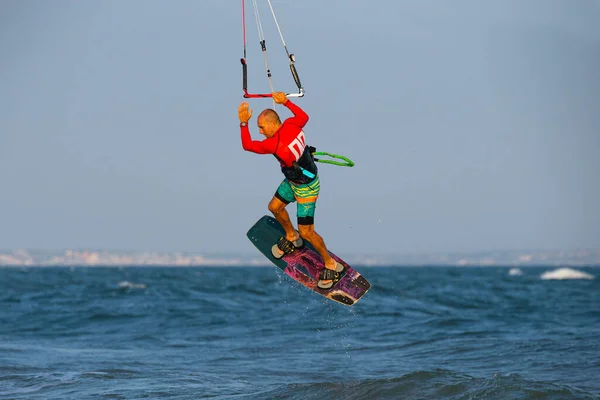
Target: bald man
point(286, 141)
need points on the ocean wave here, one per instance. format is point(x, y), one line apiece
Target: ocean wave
point(565, 273)
point(436, 384)
point(433, 384)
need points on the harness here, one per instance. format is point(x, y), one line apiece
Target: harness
point(302, 171)
point(305, 170)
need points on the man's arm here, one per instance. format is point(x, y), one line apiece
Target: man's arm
point(300, 118)
point(266, 146)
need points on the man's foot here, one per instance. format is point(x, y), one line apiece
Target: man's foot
point(295, 238)
point(285, 246)
point(330, 275)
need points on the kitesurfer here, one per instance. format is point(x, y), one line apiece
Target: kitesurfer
point(286, 141)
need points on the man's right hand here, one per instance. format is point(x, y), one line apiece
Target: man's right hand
point(244, 112)
point(279, 97)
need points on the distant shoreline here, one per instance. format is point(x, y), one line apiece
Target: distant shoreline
point(106, 258)
point(356, 265)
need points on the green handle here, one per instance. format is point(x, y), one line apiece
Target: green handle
point(346, 161)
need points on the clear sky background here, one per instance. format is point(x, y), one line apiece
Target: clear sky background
point(474, 125)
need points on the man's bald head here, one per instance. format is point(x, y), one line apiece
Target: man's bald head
point(268, 122)
point(270, 116)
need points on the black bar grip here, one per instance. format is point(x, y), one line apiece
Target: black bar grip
point(295, 75)
point(244, 74)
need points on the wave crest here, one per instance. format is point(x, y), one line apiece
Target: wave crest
point(436, 384)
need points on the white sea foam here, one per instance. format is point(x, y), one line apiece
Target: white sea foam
point(131, 285)
point(515, 272)
point(565, 273)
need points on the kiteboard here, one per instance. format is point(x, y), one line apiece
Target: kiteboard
point(305, 264)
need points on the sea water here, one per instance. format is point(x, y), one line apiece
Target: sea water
point(253, 333)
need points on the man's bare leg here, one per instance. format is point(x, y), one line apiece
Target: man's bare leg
point(308, 233)
point(277, 207)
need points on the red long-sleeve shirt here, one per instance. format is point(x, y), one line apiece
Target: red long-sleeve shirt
point(287, 144)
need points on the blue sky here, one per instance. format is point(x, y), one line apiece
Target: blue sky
point(473, 125)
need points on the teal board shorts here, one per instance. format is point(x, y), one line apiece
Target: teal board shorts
point(305, 194)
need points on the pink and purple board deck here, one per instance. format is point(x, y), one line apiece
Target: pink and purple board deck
point(304, 265)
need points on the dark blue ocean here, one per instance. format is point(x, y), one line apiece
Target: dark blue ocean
point(253, 333)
